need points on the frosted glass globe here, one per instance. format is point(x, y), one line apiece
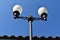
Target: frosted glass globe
point(42, 10)
point(18, 8)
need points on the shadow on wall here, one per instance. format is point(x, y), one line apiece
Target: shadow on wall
point(27, 38)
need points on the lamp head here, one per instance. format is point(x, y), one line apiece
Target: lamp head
point(42, 11)
point(17, 10)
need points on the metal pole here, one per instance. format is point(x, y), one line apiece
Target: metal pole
point(30, 30)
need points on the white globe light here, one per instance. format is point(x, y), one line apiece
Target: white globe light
point(42, 10)
point(18, 8)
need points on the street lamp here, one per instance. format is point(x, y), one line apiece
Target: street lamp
point(42, 11)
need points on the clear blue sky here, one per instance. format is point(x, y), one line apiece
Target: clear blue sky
point(19, 27)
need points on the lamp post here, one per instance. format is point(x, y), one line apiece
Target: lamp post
point(42, 11)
